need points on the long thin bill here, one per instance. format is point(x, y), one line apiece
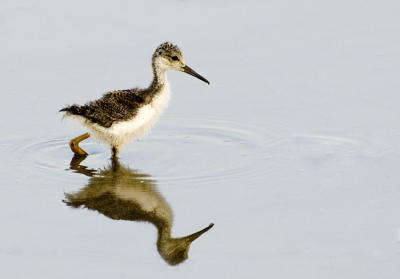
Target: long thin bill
point(192, 72)
point(195, 235)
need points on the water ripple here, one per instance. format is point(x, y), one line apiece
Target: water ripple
point(210, 151)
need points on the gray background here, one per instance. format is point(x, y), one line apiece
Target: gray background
point(292, 151)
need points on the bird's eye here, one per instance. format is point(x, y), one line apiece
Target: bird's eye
point(175, 58)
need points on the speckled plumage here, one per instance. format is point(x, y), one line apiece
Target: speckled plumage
point(120, 105)
point(113, 106)
point(168, 48)
point(122, 115)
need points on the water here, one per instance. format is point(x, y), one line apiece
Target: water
point(291, 152)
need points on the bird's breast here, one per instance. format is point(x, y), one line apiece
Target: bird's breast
point(145, 117)
point(160, 100)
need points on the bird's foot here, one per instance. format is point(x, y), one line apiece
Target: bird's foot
point(74, 144)
point(76, 149)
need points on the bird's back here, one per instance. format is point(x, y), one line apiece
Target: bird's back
point(114, 106)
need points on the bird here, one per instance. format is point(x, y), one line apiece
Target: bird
point(121, 193)
point(120, 116)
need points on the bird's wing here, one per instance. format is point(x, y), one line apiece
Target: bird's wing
point(114, 106)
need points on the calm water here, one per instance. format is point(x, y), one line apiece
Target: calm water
point(292, 152)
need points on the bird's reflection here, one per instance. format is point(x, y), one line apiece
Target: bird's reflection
point(121, 193)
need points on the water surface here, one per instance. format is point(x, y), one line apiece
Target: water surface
point(292, 152)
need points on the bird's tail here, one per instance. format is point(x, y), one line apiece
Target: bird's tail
point(73, 109)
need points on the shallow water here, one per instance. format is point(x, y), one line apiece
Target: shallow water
point(291, 152)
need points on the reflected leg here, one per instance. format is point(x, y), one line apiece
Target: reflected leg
point(114, 153)
point(75, 165)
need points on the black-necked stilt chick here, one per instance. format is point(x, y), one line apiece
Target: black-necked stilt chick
point(122, 115)
point(124, 194)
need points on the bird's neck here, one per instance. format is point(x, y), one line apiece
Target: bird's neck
point(164, 233)
point(159, 78)
point(158, 84)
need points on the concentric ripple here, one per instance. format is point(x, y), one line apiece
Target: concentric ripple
point(311, 150)
point(178, 150)
point(38, 156)
point(211, 151)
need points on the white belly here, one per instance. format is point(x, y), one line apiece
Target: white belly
point(121, 133)
point(148, 199)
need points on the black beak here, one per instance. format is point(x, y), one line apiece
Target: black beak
point(190, 71)
point(195, 235)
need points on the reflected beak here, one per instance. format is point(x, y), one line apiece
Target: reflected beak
point(194, 236)
point(190, 71)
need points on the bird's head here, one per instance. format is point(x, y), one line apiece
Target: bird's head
point(169, 57)
point(176, 250)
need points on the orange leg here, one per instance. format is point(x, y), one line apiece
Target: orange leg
point(74, 144)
